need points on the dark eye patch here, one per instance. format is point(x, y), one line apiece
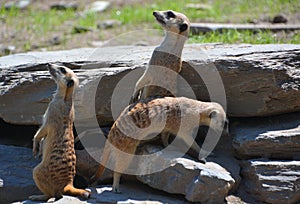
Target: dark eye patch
point(183, 27)
point(62, 70)
point(70, 83)
point(170, 14)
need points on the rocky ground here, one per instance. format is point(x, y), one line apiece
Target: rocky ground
point(259, 84)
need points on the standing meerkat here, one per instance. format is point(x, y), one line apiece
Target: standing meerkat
point(54, 175)
point(160, 77)
point(176, 115)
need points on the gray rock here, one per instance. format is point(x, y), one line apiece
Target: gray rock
point(7, 50)
point(274, 137)
point(64, 6)
point(108, 24)
point(56, 40)
point(20, 4)
point(280, 18)
point(253, 26)
point(98, 6)
point(224, 155)
point(205, 183)
point(81, 29)
point(272, 181)
point(86, 165)
point(133, 193)
point(16, 168)
point(262, 78)
point(198, 6)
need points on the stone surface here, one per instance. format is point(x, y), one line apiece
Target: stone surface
point(98, 6)
point(224, 155)
point(132, 193)
point(6, 50)
point(64, 6)
point(86, 165)
point(273, 137)
point(198, 28)
point(205, 183)
point(81, 29)
point(262, 78)
point(16, 182)
point(108, 24)
point(272, 181)
point(16, 168)
point(20, 4)
point(280, 18)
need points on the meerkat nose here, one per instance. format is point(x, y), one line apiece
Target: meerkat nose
point(154, 13)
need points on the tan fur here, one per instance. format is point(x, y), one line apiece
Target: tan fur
point(165, 62)
point(147, 117)
point(54, 175)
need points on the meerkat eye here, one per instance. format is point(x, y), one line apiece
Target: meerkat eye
point(170, 14)
point(62, 70)
point(183, 27)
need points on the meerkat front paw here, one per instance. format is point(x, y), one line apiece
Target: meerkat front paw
point(35, 148)
point(87, 194)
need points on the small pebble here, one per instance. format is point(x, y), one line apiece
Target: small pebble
point(98, 6)
point(81, 29)
point(65, 6)
point(280, 19)
point(108, 24)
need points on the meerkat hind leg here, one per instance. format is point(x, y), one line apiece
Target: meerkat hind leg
point(116, 182)
point(165, 138)
point(190, 142)
point(121, 164)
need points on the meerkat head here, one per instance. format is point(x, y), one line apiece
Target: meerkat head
point(215, 117)
point(63, 76)
point(173, 21)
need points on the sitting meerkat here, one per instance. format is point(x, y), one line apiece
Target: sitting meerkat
point(54, 175)
point(160, 77)
point(139, 120)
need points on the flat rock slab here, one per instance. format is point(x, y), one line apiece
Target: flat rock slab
point(273, 182)
point(16, 168)
point(274, 137)
point(256, 80)
point(16, 183)
point(132, 193)
point(197, 28)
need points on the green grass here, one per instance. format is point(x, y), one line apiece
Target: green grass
point(36, 25)
point(234, 36)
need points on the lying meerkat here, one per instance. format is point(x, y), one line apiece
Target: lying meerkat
point(160, 77)
point(54, 175)
point(139, 120)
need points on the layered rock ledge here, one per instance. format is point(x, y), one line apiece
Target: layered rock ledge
point(256, 80)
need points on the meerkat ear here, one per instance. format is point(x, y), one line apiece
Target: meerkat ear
point(70, 83)
point(213, 114)
point(183, 27)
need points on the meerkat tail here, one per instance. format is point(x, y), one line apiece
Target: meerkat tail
point(72, 191)
point(101, 167)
